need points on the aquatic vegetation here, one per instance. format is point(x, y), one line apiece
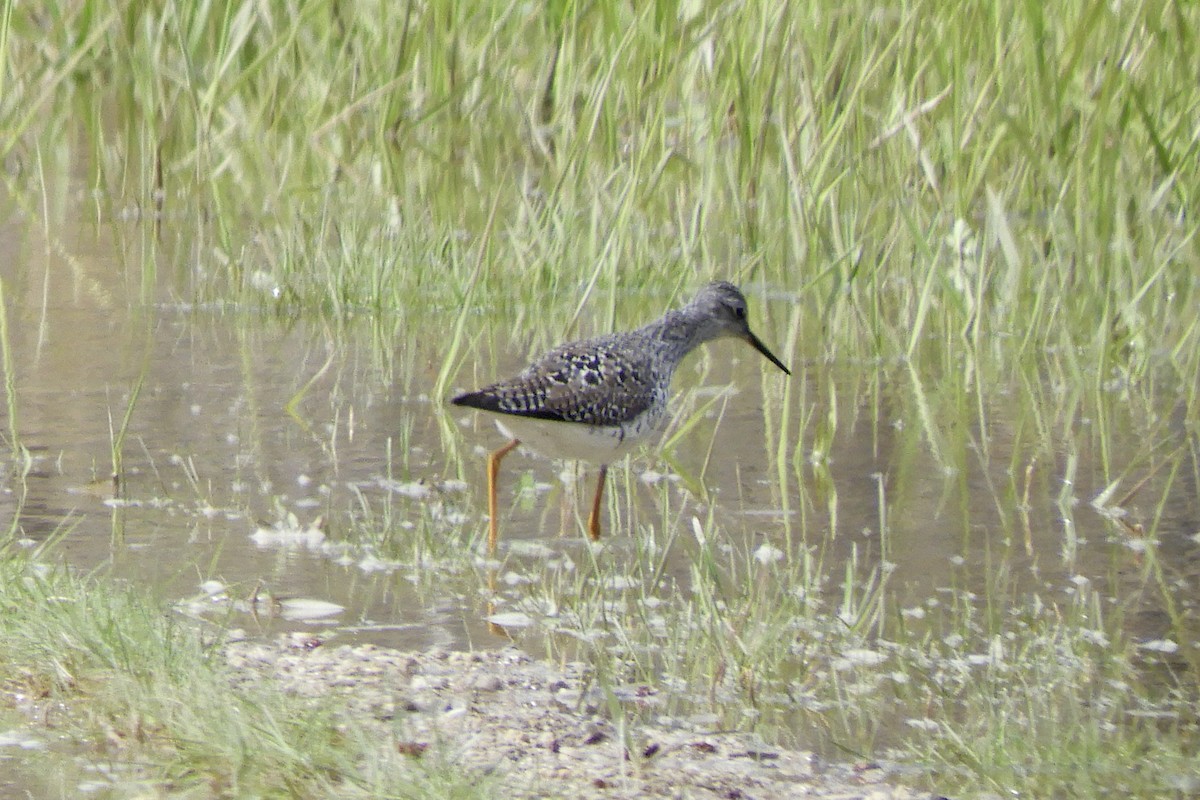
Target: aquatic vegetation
point(964, 527)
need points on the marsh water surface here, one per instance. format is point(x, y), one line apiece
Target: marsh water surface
point(267, 467)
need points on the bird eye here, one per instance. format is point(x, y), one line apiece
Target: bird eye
point(739, 312)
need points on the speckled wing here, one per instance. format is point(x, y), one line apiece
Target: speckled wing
point(602, 381)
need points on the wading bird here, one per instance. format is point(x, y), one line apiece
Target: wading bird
point(595, 400)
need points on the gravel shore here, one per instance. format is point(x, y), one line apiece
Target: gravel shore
point(536, 730)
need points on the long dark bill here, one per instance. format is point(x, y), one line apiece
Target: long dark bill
point(757, 344)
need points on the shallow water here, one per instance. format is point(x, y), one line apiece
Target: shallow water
point(222, 483)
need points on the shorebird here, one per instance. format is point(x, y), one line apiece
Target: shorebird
point(596, 399)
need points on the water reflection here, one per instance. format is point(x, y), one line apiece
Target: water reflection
point(239, 422)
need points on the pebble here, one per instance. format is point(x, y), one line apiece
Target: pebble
point(528, 725)
point(487, 683)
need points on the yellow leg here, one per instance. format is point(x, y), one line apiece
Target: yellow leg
point(594, 517)
point(493, 468)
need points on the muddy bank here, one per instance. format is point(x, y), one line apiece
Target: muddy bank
point(538, 731)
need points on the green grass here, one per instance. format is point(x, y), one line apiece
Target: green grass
point(975, 220)
point(946, 180)
point(979, 689)
point(113, 667)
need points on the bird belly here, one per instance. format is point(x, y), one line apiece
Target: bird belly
point(597, 444)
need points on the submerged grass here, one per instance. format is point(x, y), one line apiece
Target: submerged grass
point(987, 205)
point(1041, 695)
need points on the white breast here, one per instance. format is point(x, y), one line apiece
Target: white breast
point(576, 441)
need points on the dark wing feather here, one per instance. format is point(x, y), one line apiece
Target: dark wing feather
point(602, 381)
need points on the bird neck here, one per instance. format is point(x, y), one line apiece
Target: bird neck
point(678, 332)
